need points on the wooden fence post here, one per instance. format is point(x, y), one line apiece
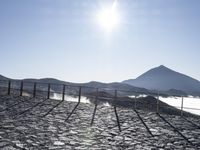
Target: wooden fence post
point(117, 117)
point(79, 100)
point(21, 88)
point(48, 94)
point(79, 95)
point(63, 93)
point(182, 106)
point(157, 104)
point(95, 107)
point(34, 89)
point(9, 86)
point(135, 101)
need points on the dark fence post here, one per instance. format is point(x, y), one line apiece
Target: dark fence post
point(182, 106)
point(21, 88)
point(95, 108)
point(48, 94)
point(79, 99)
point(63, 93)
point(79, 95)
point(135, 101)
point(118, 123)
point(34, 89)
point(9, 85)
point(157, 104)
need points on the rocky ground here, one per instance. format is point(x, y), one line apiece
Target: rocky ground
point(32, 131)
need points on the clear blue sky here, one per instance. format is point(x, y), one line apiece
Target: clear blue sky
point(62, 39)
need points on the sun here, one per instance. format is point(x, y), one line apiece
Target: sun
point(108, 17)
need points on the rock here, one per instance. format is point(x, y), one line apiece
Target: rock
point(118, 138)
point(73, 132)
point(58, 143)
point(105, 134)
point(20, 145)
point(22, 128)
point(169, 144)
point(128, 139)
point(3, 143)
point(113, 133)
point(73, 142)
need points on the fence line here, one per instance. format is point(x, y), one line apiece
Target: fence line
point(79, 92)
point(46, 87)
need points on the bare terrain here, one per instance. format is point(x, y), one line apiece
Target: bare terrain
point(24, 127)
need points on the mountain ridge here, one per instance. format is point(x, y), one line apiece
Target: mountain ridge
point(92, 84)
point(163, 79)
point(3, 77)
point(156, 79)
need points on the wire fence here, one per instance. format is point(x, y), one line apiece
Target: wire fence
point(116, 98)
point(127, 98)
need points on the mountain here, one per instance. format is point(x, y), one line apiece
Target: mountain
point(163, 79)
point(3, 78)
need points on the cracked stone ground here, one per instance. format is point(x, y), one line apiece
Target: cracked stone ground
point(31, 131)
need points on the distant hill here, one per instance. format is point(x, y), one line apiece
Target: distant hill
point(164, 79)
point(160, 79)
point(114, 85)
point(92, 84)
point(47, 80)
point(3, 78)
point(123, 88)
point(88, 87)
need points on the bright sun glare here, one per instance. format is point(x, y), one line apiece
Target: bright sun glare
point(108, 17)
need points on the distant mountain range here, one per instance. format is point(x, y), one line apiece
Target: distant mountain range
point(88, 87)
point(161, 79)
point(164, 79)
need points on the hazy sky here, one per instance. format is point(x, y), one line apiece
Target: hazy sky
point(63, 39)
